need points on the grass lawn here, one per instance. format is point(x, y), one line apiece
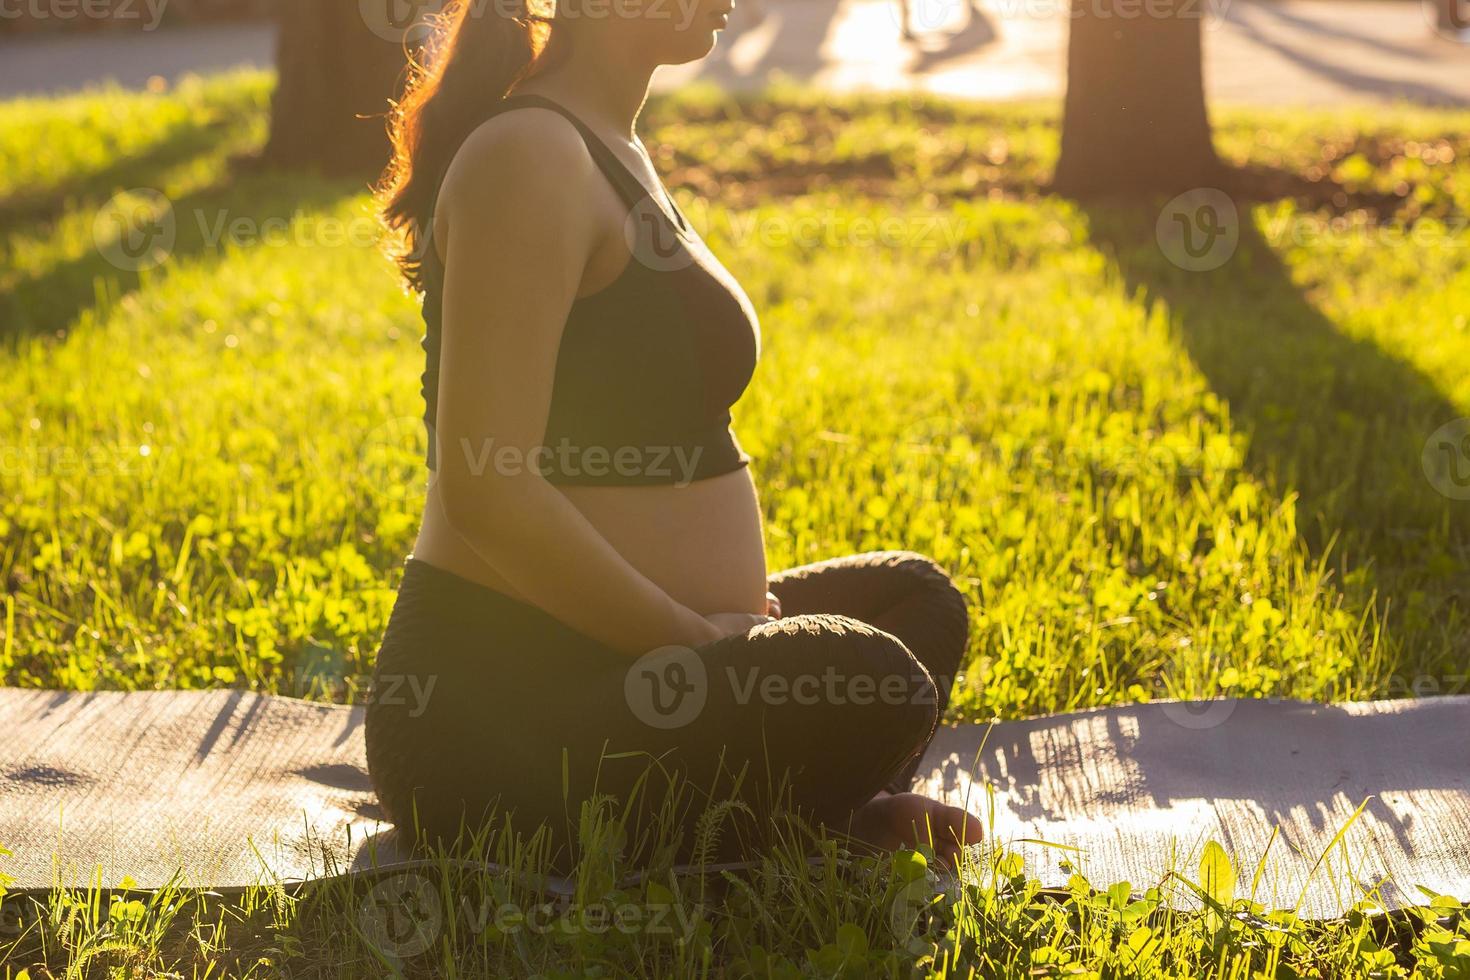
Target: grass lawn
point(1151, 482)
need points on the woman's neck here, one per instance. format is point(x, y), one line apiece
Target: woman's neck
point(603, 86)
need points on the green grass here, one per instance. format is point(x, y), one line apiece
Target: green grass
point(1150, 482)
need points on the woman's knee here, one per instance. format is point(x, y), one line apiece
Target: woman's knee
point(867, 585)
point(936, 601)
point(925, 574)
point(858, 678)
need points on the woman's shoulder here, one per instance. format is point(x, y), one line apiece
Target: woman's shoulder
point(529, 150)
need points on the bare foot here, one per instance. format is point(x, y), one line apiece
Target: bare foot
point(891, 821)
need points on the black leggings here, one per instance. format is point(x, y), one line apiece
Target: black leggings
point(485, 705)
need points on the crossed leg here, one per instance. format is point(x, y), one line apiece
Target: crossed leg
point(831, 706)
point(909, 597)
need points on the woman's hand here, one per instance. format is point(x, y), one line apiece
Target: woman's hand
point(773, 605)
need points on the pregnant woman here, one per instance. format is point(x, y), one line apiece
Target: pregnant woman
point(587, 610)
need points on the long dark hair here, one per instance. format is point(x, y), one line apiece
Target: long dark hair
point(477, 51)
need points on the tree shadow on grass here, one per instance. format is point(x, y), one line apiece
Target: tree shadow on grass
point(183, 146)
point(1336, 420)
point(115, 262)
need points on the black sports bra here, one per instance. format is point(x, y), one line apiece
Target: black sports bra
point(648, 367)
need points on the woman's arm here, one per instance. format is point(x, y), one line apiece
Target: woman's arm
point(519, 206)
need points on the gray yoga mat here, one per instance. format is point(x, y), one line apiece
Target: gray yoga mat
point(1140, 790)
point(226, 789)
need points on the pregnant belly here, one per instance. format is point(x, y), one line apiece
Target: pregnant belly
point(701, 542)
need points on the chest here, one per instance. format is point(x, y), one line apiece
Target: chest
point(673, 335)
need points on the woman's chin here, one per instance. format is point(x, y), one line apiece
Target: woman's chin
point(695, 51)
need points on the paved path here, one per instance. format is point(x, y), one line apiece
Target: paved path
point(1312, 52)
point(1309, 52)
point(59, 62)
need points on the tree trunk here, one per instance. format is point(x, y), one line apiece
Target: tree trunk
point(1135, 121)
point(337, 73)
